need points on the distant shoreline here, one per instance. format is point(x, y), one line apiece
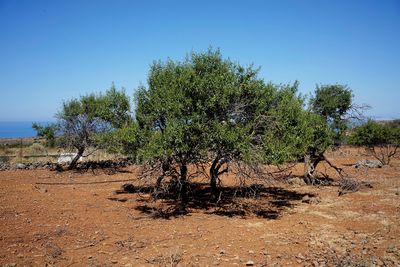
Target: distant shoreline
point(18, 129)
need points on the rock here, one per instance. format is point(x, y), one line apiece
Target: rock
point(215, 263)
point(250, 263)
point(251, 252)
point(369, 163)
point(222, 251)
point(66, 158)
point(20, 166)
point(114, 261)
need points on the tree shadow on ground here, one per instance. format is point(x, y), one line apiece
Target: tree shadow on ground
point(234, 201)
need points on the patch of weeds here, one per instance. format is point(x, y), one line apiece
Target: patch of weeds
point(172, 259)
point(53, 250)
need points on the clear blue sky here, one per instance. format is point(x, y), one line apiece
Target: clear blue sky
point(55, 50)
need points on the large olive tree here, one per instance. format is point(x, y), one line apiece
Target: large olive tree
point(202, 110)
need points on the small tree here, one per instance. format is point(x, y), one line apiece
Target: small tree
point(81, 122)
point(333, 103)
point(381, 140)
point(316, 137)
point(48, 132)
point(295, 133)
point(324, 125)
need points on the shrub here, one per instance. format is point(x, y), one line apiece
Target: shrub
point(380, 140)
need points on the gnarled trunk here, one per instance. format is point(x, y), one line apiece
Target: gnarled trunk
point(183, 185)
point(213, 179)
point(310, 164)
point(215, 172)
point(74, 161)
point(165, 166)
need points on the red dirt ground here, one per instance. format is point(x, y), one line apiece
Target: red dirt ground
point(76, 219)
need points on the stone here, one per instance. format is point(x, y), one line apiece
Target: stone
point(66, 158)
point(369, 163)
point(250, 263)
point(20, 166)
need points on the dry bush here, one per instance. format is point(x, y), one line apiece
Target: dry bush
point(36, 149)
point(348, 185)
point(172, 259)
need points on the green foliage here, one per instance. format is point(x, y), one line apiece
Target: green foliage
point(282, 140)
point(375, 134)
point(200, 110)
point(294, 132)
point(115, 107)
point(316, 134)
point(93, 120)
point(382, 140)
point(333, 102)
point(126, 140)
point(48, 132)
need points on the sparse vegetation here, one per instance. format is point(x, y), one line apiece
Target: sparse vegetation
point(382, 141)
point(208, 135)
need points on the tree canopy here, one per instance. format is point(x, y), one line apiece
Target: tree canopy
point(81, 122)
point(333, 103)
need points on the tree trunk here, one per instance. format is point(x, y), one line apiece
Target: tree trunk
point(310, 165)
point(165, 165)
point(183, 185)
point(74, 161)
point(213, 179)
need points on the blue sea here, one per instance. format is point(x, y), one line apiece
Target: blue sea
point(15, 129)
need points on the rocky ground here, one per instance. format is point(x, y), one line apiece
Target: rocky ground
point(50, 218)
